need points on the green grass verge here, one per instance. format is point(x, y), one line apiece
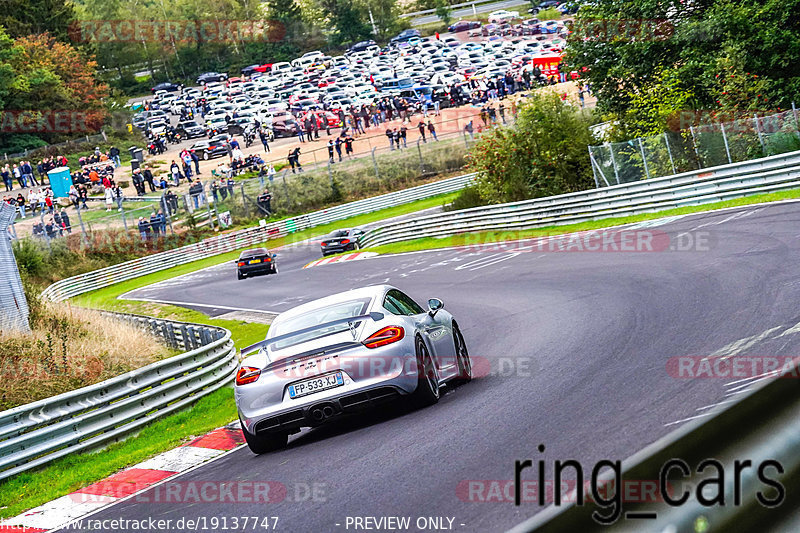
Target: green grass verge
point(30, 489)
point(489, 237)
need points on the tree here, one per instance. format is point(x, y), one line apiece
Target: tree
point(443, 11)
point(26, 17)
point(348, 23)
point(55, 80)
point(385, 14)
point(543, 153)
point(694, 42)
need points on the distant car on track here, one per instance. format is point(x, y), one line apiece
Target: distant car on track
point(309, 370)
point(341, 240)
point(255, 261)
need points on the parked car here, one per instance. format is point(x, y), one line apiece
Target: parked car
point(361, 46)
point(463, 25)
point(205, 150)
point(190, 129)
point(502, 15)
point(208, 77)
point(255, 261)
point(307, 373)
point(284, 127)
point(341, 240)
point(404, 36)
point(166, 86)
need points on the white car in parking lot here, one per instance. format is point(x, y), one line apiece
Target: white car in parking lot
point(496, 17)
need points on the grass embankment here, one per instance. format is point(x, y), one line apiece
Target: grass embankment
point(490, 237)
point(30, 489)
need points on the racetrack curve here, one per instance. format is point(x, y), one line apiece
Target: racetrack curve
point(582, 340)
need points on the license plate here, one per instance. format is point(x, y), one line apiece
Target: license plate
point(254, 261)
point(317, 384)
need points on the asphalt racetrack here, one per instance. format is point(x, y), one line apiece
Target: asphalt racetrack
point(574, 348)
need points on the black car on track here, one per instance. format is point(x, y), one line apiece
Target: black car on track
point(341, 240)
point(255, 261)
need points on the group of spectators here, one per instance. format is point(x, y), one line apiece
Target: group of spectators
point(41, 199)
point(22, 173)
point(153, 228)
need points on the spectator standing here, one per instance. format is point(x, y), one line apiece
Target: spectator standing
point(264, 140)
point(21, 205)
point(147, 175)
point(338, 146)
point(114, 154)
point(421, 127)
point(119, 196)
point(432, 130)
point(65, 223)
point(144, 229)
point(348, 145)
point(155, 225)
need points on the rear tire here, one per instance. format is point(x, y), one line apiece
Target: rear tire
point(239, 275)
point(427, 392)
point(265, 443)
point(462, 356)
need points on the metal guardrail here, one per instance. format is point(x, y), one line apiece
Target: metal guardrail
point(73, 286)
point(761, 426)
point(34, 434)
point(770, 174)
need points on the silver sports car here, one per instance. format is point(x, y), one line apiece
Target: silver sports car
point(343, 353)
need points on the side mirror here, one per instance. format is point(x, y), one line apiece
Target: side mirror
point(434, 304)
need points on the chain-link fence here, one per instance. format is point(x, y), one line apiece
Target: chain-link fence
point(703, 146)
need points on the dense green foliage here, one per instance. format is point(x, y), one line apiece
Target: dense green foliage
point(543, 153)
point(705, 55)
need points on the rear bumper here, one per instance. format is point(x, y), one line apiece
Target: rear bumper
point(323, 411)
point(257, 268)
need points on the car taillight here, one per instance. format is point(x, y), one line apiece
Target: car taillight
point(267, 259)
point(346, 241)
point(241, 263)
point(384, 336)
point(247, 374)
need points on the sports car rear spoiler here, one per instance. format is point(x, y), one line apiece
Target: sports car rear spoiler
point(376, 316)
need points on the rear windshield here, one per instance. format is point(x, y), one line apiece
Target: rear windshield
point(254, 251)
point(316, 317)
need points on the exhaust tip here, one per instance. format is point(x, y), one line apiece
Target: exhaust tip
point(327, 411)
point(317, 414)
